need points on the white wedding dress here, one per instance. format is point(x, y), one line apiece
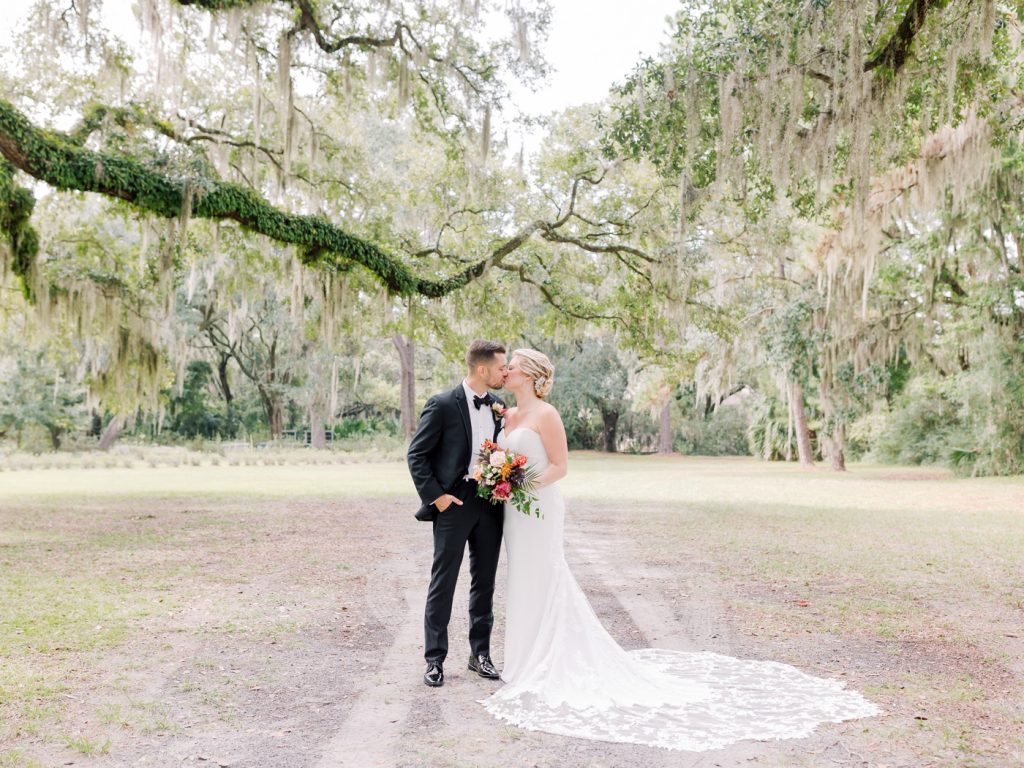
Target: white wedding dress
point(565, 674)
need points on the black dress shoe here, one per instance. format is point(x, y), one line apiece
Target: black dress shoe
point(483, 666)
point(434, 676)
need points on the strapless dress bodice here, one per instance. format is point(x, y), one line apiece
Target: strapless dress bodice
point(527, 442)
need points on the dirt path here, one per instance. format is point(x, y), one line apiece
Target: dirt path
point(371, 734)
point(396, 721)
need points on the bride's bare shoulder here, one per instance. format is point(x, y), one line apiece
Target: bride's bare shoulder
point(548, 412)
point(550, 426)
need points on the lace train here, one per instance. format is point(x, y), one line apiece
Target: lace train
point(742, 699)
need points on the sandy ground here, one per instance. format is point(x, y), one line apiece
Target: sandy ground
point(278, 633)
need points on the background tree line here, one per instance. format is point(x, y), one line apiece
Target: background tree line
point(795, 232)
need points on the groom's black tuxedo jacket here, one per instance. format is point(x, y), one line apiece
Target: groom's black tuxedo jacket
point(441, 448)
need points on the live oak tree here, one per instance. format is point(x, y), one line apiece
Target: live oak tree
point(864, 124)
point(274, 119)
point(592, 386)
point(439, 73)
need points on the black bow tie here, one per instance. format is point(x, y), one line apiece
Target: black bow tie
point(485, 400)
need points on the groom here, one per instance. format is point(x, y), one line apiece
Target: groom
point(441, 458)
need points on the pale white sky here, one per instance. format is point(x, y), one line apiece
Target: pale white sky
point(592, 44)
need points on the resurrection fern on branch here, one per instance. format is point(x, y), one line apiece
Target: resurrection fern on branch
point(56, 159)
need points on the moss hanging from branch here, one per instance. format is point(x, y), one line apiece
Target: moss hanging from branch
point(57, 160)
point(478, 76)
point(16, 204)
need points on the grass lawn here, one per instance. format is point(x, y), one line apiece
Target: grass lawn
point(121, 587)
point(592, 477)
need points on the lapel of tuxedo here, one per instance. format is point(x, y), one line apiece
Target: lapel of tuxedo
point(497, 419)
point(460, 399)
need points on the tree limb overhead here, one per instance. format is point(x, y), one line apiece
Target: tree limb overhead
point(895, 53)
point(58, 161)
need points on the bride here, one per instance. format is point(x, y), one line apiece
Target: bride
point(565, 674)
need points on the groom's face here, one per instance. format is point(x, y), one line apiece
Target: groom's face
point(496, 372)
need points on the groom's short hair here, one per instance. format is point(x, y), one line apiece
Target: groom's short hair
point(482, 352)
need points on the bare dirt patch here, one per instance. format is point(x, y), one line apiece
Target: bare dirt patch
point(245, 631)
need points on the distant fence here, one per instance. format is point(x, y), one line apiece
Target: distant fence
point(305, 436)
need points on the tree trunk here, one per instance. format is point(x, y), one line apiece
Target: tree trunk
point(835, 447)
point(608, 433)
point(833, 437)
point(111, 432)
point(227, 394)
point(803, 434)
point(407, 385)
point(789, 421)
point(274, 410)
point(317, 438)
point(665, 442)
point(277, 419)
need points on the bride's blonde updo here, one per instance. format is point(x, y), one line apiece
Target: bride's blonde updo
point(538, 367)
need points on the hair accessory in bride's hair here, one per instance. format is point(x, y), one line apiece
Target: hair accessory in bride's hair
point(536, 366)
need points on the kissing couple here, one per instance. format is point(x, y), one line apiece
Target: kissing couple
point(562, 672)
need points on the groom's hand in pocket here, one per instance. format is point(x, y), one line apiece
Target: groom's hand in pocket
point(446, 500)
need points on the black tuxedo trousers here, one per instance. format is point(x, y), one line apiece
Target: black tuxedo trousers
point(477, 523)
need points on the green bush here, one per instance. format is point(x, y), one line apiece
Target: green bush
point(865, 432)
point(192, 414)
point(973, 421)
point(923, 425)
point(768, 434)
point(368, 427)
point(991, 407)
point(722, 433)
point(34, 438)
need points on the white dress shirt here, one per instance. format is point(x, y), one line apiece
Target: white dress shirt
point(481, 424)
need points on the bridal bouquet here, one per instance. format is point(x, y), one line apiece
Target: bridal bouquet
point(503, 476)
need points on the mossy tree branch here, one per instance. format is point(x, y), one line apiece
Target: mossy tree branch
point(897, 50)
point(98, 116)
point(226, 5)
point(57, 160)
point(476, 77)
